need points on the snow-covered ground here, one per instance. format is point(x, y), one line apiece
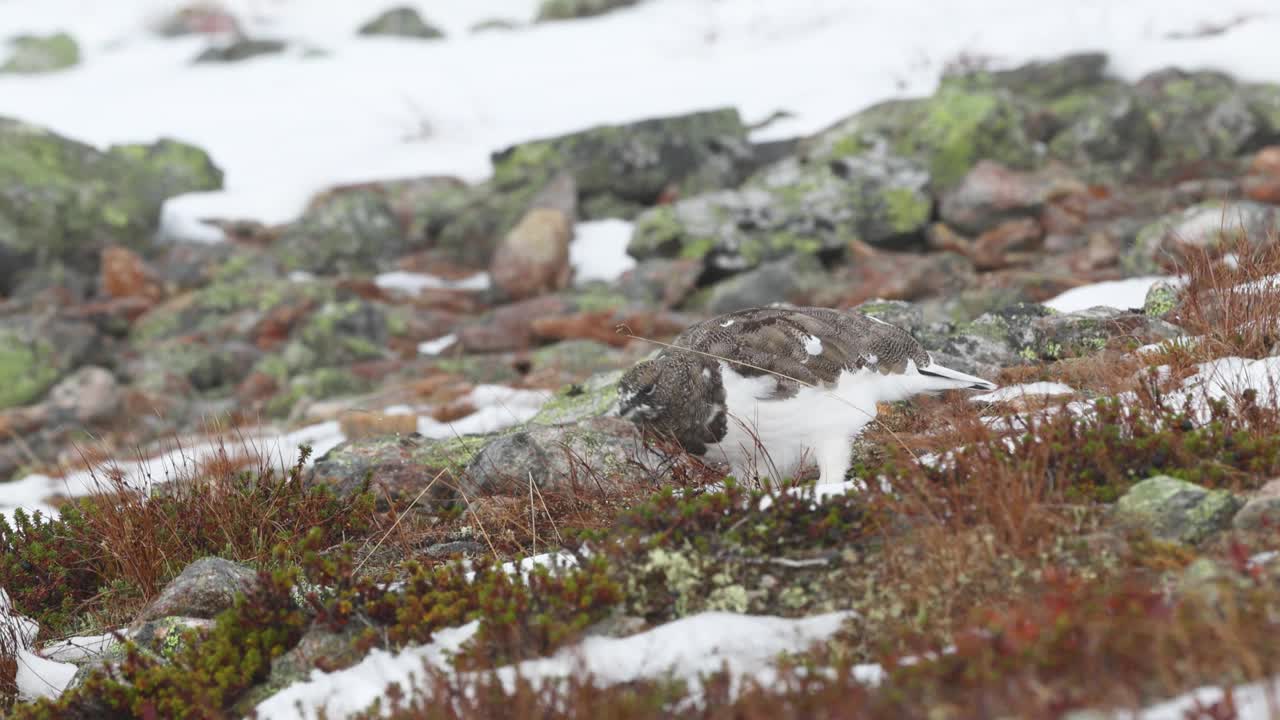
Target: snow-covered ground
point(364, 108)
point(1124, 294)
point(686, 649)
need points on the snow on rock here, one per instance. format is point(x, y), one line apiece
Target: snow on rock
point(1018, 392)
point(599, 250)
point(37, 676)
point(368, 104)
point(1123, 294)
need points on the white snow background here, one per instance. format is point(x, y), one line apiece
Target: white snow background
point(285, 126)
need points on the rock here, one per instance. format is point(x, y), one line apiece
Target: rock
point(397, 469)
point(569, 9)
point(368, 227)
point(241, 49)
point(1172, 509)
point(89, 395)
point(1263, 181)
point(1108, 133)
point(595, 397)
point(403, 21)
point(1085, 332)
point(111, 198)
point(794, 207)
point(533, 258)
point(947, 133)
point(1205, 119)
point(1261, 512)
point(621, 168)
point(1162, 297)
point(1205, 226)
point(1012, 242)
point(1040, 80)
point(199, 18)
point(772, 282)
point(32, 54)
point(319, 649)
point(203, 589)
point(990, 194)
point(495, 25)
point(661, 282)
point(599, 452)
point(510, 326)
point(895, 276)
point(35, 354)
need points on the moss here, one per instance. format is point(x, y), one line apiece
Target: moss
point(695, 248)
point(530, 162)
point(598, 297)
point(26, 370)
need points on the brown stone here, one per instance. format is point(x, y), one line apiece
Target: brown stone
point(1012, 242)
point(1263, 188)
point(1266, 162)
point(125, 274)
point(510, 326)
point(533, 257)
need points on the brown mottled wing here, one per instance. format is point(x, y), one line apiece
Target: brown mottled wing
point(772, 340)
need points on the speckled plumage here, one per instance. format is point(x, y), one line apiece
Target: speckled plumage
point(762, 388)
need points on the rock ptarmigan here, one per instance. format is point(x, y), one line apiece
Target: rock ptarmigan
point(766, 389)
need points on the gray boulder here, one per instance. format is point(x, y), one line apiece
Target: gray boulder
point(1173, 509)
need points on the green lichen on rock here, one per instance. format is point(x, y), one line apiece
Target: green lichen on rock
point(632, 165)
point(570, 9)
point(62, 201)
point(26, 371)
point(580, 401)
point(1161, 299)
point(30, 54)
point(959, 128)
point(403, 21)
point(1173, 509)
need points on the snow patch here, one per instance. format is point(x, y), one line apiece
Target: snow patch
point(1123, 294)
point(599, 250)
point(437, 346)
point(413, 283)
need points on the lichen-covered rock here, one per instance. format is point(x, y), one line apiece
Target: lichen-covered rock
point(569, 9)
point(793, 207)
point(1107, 133)
point(1262, 510)
point(1040, 80)
point(1087, 331)
point(596, 396)
point(203, 589)
point(241, 49)
point(365, 228)
point(597, 452)
point(947, 133)
point(100, 198)
point(30, 54)
point(397, 468)
point(403, 21)
point(661, 282)
point(1173, 509)
point(35, 354)
point(533, 257)
point(1204, 118)
point(1207, 225)
point(776, 281)
point(1162, 297)
point(633, 165)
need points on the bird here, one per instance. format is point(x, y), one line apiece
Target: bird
point(766, 389)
